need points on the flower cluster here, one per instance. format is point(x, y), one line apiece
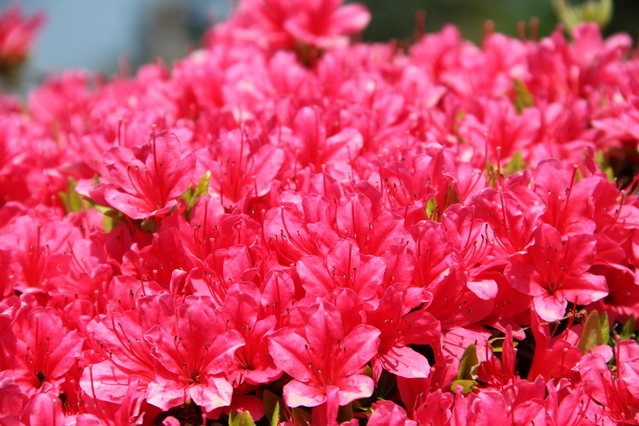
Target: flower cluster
point(287, 228)
point(16, 37)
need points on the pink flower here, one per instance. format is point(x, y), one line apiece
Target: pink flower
point(317, 23)
point(554, 272)
point(343, 267)
point(323, 23)
point(38, 349)
point(192, 358)
point(17, 34)
point(147, 180)
point(402, 322)
point(326, 360)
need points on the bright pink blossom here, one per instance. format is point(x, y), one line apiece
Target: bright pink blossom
point(17, 34)
point(147, 180)
point(325, 363)
point(192, 355)
point(554, 271)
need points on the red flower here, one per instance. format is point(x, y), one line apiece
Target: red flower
point(38, 349)
point(401, 323)
point(554, 272)
point(325, 360)
point(147, 180)
point(193, 357)
point(318, 23)
point(16, 35)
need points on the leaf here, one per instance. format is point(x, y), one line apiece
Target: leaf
point(516, 164)
point(201, 189)
point(468, 365)
point(452, 197)
point(72, 200)
point(605, 327)
point(240, 419)
point(591, 335)
point(110, 211)
point(523, 98)
point(628, 329)
point(188, 195)
point(150, 225)
point(431, 207)
point(597, 11)
point(368, 371)
point(301, 415)
point(191, 195)
point(468, 385)
point(111, 216)
point(491, 174)
point(345, 413)
point(109, 223)
point(605, 167)
point(272, 404)
point(275, 416)
point(498, 344)
point(386, 384)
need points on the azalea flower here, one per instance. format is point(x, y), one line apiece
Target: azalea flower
point(291, 227)
point(326, 363)
point(17, 34)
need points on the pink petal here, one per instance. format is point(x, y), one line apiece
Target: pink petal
point(216, 392)
point(298, 394)
point(350, 18)
point(290, 353)
point(354, 387)
point(550, 308)
point(405, 362)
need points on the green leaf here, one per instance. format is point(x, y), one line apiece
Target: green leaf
point(150, 225)
point(188, 195)
point(301, 415)
point(628, 329)
point(240, 419)
point(597, 11)
point(272, 404)
point(491, 174)
point(605, 327)
point(498, 343)
point(591, 335)
point(110, 211)
point(72, 200)
point(202, 187)
point(111, 216)
point(468, 385)
point(516, 164)
point(368, 371)
point(468, 365)
point(452, 197)
point(523, 98)
point(431, 207)
point(109, 223)
point(193, 194)
point(386, 385)
point(275, 415)
point(601, 159)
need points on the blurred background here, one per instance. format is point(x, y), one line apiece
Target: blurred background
point(98, 34)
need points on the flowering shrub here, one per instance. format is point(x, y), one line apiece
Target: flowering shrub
point(289, 228)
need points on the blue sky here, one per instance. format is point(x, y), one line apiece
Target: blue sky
point(93, 34)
